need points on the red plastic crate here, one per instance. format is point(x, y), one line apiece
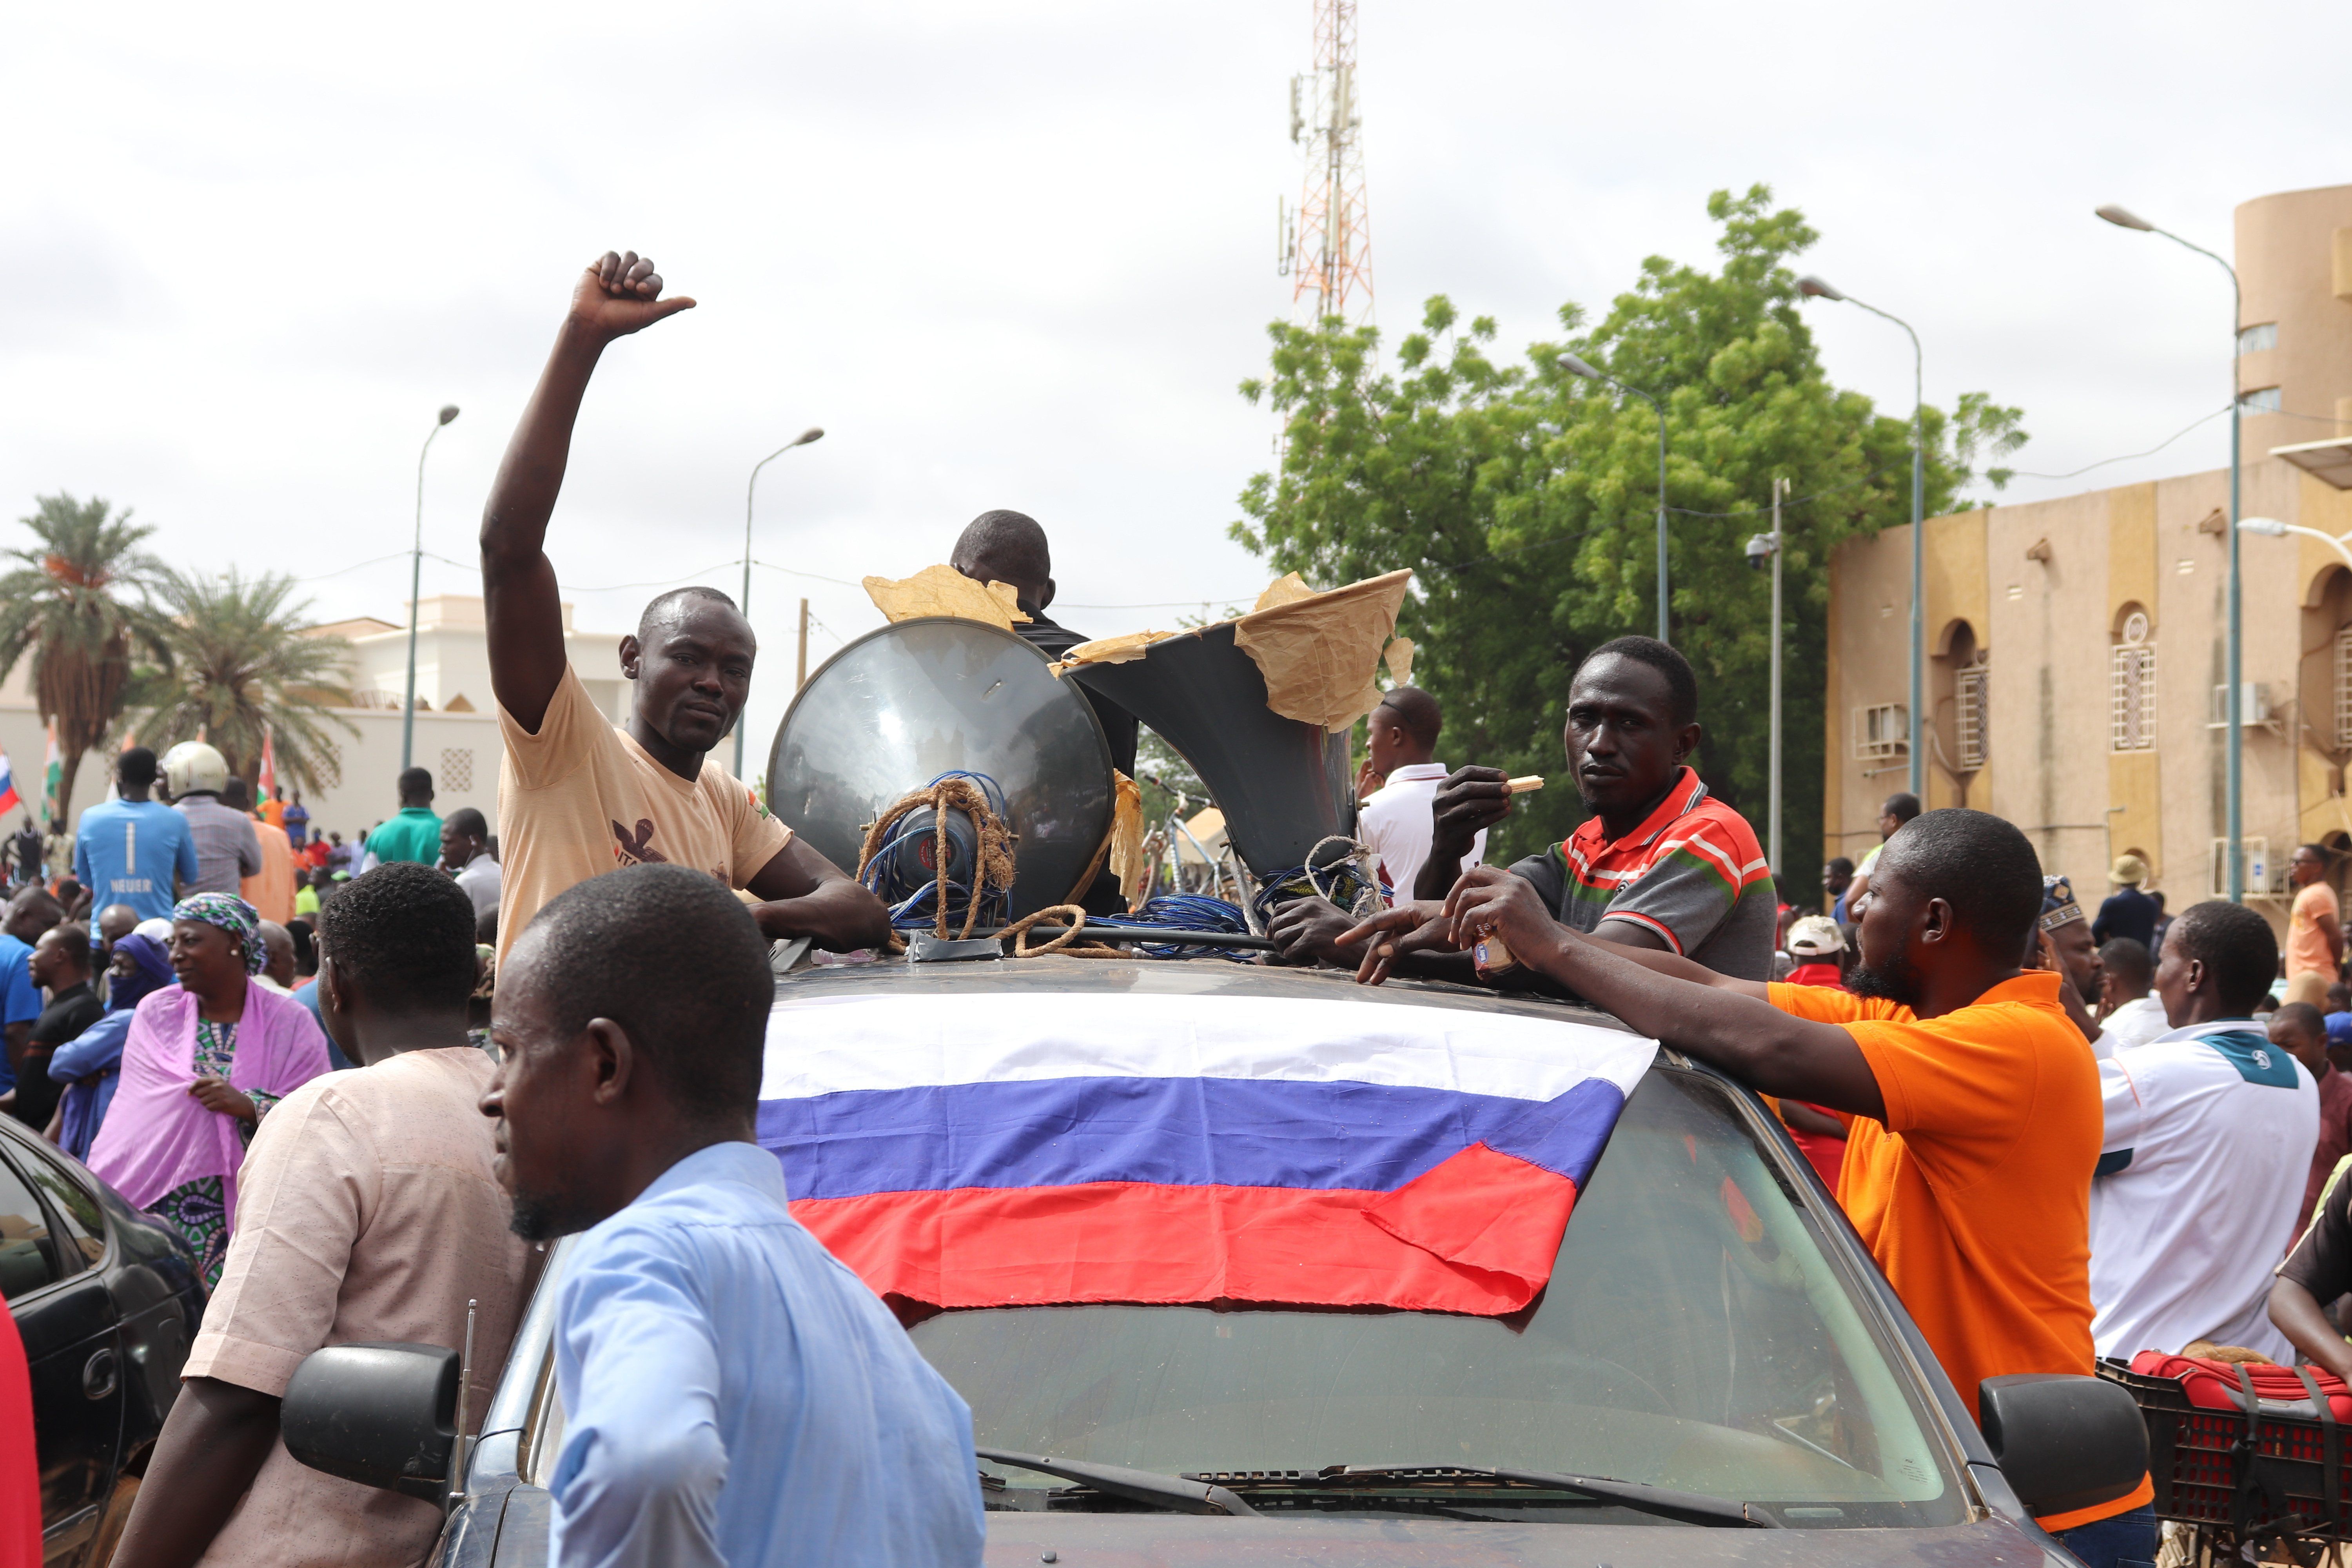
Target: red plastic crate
point(2197, 1461)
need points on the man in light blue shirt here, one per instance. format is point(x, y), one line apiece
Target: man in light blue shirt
point(127, 851)
point(733, 1394)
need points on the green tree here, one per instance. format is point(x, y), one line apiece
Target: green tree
point(74, 601)
point(243, 659)
point(1524, 498)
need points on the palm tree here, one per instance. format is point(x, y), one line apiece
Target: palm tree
point(61, 602)
point(242, 661)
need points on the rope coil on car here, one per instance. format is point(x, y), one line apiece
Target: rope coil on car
point(976, 795)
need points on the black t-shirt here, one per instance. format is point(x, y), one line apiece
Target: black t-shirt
point(1119, 724)
point(69, 1011)
point(2322, 1262)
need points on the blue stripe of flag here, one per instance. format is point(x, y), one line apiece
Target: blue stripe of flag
point(1248, 1133)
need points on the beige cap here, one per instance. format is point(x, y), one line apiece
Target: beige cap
point(1815, 936)
point(2129, 871)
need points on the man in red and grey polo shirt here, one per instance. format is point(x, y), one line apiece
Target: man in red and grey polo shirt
point(1660, 864)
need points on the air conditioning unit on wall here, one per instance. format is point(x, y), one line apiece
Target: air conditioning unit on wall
point(1881, 731)
point(2257, 852)
point(2253, 707)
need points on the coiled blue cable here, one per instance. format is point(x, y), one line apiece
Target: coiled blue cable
point(913, 910)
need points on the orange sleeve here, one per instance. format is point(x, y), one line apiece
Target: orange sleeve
point(1824, 1004)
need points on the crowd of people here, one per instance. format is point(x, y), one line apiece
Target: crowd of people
point(2063, 1136)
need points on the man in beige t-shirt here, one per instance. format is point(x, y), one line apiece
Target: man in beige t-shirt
point(578, 795)
point(368, 1209)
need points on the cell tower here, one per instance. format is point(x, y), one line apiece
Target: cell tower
point(1328, 252)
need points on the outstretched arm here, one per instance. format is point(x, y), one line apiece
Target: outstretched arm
point(807, 895)
point(1723, 1022)
point(618, 295)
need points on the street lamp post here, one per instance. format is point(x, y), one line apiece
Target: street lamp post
point(2233, 747)
point(1815, 288)
point(814, 432)
point(1758, 547)
point(1576, 366)
point(415, 585)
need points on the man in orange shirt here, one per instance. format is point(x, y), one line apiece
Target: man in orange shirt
point(2315, 930)
point(1975, 1106)
point(269, 890)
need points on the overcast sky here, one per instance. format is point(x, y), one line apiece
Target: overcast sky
point(1019, 255)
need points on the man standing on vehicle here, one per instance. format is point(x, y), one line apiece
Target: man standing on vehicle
point(1975, 1110)
point(368, 1209)
point(130, 850)
point(577, 795)
point(625, 1105)
point(1661, 864)
point(1010, 547)
point(1395, 820)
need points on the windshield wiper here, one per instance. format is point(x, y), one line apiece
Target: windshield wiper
point(1687, 1508)
point(1137, 1486)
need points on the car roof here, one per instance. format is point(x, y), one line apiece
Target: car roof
point(1054, 974)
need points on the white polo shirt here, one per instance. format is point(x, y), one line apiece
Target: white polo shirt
point(2210, 1132)
point(1397, 820)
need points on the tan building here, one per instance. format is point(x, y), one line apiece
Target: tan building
point(457, 732)
point(2075, 646)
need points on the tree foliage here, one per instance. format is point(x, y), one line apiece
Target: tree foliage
point(1524, 498)
point(75, 603)
point(243, 657)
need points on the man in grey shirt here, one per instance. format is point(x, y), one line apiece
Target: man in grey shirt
point(228, 849)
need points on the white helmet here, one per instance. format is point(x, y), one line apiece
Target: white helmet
point(192, 768)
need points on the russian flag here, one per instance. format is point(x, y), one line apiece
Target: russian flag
point(9, 799)
point(1027, 1147)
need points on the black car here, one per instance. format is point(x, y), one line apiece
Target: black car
point(106, 1303)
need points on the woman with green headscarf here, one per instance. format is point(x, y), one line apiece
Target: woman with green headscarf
point(203, 1062)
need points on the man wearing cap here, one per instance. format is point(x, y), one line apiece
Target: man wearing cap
point(2315, 930)
point(2062, 942)
point(2127, 912)
point(1816, 943)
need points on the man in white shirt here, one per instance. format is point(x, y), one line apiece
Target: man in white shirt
point(1394, 820)
point(2209, 1132)
point(2128, 1014)
point(466, 852)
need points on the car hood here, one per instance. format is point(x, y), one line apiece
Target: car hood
point(1175, 1541)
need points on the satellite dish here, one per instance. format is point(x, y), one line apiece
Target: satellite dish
point(910, 701)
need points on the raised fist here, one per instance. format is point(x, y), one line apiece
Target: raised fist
point(621, 293)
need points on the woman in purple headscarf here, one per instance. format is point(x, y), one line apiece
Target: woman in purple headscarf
point(203, 1062)
point(91, 1064)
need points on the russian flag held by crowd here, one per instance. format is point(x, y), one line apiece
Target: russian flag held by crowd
point(1033, 1148)
point(9, 799)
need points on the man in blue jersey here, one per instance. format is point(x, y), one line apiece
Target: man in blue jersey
point(129, 850)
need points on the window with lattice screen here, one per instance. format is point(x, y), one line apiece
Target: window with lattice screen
point(1970, 687)
point(457, 769)
point(2131, 698)
point(2343, 687)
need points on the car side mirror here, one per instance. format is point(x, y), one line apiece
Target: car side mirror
point(2063, 1442)
point(385, 1416)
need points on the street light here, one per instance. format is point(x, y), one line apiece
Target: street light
point(814, 432)
point(2233, 749)
point(1816, 289)
point(1759, 548)
point(416, 582)
point(1576, 366)
point(2271, 528)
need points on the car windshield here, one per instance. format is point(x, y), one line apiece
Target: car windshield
point(1693, 1336)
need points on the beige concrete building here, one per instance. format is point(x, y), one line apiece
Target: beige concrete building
point(457, 736)
point(2077, 664)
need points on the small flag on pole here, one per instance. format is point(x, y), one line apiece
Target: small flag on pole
point(9, 799)
point(267, 781)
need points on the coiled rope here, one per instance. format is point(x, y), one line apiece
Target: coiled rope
point(1347, 885)
point(979, 799)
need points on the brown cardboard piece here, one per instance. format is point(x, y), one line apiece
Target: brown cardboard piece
point(944, 591)
point(1320, 654)
point(1130, 862)
point(1111, 650)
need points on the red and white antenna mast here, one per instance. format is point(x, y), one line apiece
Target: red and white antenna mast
point(1330, 248)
